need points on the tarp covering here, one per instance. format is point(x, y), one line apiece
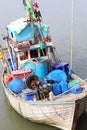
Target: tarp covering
point(57, 75)
point(16, 85)
point(20, 30)
point(17, 25)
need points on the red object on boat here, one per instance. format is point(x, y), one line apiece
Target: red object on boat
point(21, 73)
point(7, 78)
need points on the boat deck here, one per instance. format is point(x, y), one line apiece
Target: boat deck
point(71, 96)
point(65, 97)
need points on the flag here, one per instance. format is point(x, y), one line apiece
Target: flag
point(42, 45)
point(33, 16)
point(36, 5)
point(39, 13)
point(28, 4)
point(36, 13)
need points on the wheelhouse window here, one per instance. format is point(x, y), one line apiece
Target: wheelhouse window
point(23, 55)
point(34, 53)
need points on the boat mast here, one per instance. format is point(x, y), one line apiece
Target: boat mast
point(72, 35)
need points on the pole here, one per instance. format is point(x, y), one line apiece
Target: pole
point(72, 34)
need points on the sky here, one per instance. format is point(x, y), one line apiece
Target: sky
point(56, 13)
point(53, 11)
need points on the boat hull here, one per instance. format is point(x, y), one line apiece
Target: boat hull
point(63, 114)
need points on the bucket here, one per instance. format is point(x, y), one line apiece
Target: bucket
point(56, 89)
point(30, 96)
point(76, 89)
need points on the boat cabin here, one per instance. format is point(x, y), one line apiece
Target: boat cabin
point(20, 31)
point(21, 55)
point(30, 41)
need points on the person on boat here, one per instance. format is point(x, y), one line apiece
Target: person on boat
point(34, 83)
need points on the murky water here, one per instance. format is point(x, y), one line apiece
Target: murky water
point(57, 14)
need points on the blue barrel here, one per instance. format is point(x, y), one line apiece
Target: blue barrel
point(39, 67)
point(30, 95)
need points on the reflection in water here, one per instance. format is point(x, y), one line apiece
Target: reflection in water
point(82, 122)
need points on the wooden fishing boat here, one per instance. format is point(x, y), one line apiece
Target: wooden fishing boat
point(37, 84)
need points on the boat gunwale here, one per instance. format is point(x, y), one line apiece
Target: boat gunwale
point(43, 102)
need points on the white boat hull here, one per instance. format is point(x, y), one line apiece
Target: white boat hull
point(58, 113)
